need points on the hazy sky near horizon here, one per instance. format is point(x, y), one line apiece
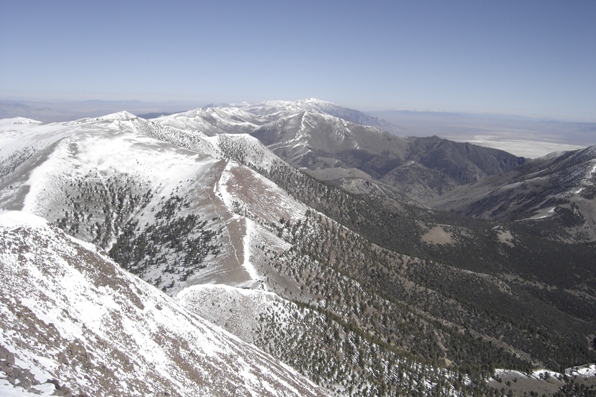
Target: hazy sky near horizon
point(526, 57)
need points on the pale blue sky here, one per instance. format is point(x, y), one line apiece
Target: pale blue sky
point(525, 57)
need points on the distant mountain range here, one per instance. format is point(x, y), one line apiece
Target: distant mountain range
point(560, 183)
point(60, 111)
point(349, 148)
point(348, 260)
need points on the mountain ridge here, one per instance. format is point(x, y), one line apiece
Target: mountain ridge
point(412, 297)
point(342, 145)
point(84, 313)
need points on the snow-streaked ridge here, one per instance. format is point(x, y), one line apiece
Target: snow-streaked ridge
point(71, 314)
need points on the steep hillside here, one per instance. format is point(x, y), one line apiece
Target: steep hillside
point(449, 164)
point(73, 320)
point(559, 189)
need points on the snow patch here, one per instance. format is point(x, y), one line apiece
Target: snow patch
point(250, 268)
point(13, 219)
point(586, 371)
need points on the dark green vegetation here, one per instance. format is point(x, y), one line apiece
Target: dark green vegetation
point(166, 251)
point(542, 304)
point(170, 236)
point(422, 311)
point(475, 303)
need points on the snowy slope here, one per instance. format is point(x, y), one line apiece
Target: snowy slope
point(272, 109)
point(245, 117)
point(328, 141)
point(132, 186)
point(21, 139)
point(71, 315)
point(170, 205)
point(239, 310)
point(213, 120)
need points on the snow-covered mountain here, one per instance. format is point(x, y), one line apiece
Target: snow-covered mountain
point(350, 148)
point(365, 294)
point(131, 186)
point(74, 321)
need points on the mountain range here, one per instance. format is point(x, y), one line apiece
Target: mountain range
point(346, 260)
point(345, 146)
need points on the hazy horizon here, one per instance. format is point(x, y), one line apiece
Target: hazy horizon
point(533, 58)
point(527, 137)
point(183, 105)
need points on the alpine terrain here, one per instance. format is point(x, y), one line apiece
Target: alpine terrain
point(290, 248)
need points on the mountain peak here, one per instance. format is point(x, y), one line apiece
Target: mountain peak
point(122, 115)
point(306, 104)
point(316, 101)
point(19, 120)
